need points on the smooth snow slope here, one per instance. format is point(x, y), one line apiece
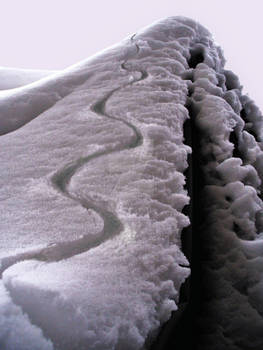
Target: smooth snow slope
point(11, 78)
point(93, 188)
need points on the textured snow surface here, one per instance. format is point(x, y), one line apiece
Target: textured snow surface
point(92, 192)
point(14, 324)
point(228, 147)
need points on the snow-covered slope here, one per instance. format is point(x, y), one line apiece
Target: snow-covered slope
point(93, 191)
point(11, 78)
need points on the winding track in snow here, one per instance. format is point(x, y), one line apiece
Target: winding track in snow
point(61, 180)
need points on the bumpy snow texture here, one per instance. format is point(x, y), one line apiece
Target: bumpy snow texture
point(93, 188)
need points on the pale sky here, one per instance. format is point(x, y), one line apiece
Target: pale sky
point(53, 34)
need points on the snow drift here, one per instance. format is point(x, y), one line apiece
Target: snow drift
point(93, 188)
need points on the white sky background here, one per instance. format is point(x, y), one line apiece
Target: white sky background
point(53, 34)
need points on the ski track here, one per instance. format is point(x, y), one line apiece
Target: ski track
point(61, 181)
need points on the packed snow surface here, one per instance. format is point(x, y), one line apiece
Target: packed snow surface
point(93, 188)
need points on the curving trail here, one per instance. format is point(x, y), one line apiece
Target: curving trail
point(61, 180)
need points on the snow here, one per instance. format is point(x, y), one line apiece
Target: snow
point(230, 129)
point(11, 78)
point(16, 330)
point(92, 192)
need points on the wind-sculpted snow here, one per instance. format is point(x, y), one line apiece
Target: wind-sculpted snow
point(93, 190)
point(228, 148)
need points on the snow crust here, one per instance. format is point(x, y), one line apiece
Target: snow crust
point(93, 188)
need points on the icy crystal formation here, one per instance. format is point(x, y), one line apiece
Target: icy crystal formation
point(93, 188)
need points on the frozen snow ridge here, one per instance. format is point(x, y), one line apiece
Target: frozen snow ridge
point(94, 198)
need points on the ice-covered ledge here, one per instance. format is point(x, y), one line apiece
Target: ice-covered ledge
point(94, 195)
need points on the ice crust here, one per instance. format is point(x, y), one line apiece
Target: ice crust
point(93, 188)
